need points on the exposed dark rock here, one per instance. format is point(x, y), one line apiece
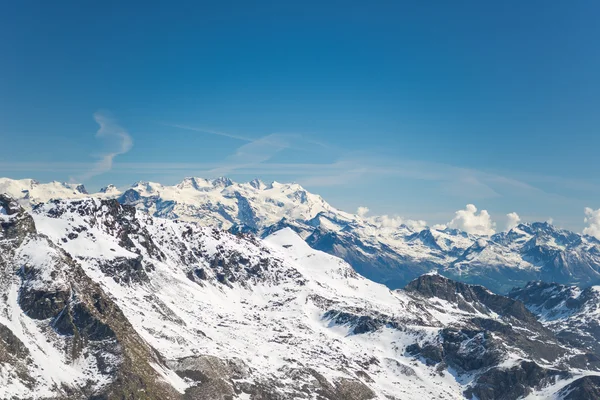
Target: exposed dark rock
point(211, 375)
point(126, 270)
point(351, 389)
point(41, 304)
point(567, 311)
point(590, 361)
point(470, 297)
point(19, 225)
point(198, 273)
point(585, 388)
point(431, 353)
point(245, 212)
point(129, 197)
point(513, 383)
point(14, 353)
point(11, 345)
point(86, 321)
point(469, 350)
point(76, 319)
point(364, 321)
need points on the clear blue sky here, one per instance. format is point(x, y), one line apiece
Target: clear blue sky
point(410, 108)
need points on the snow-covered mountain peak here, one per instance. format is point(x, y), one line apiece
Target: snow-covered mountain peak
point(146, 188)
point(110, 190)
point(202, 184)
point(258, 184)
point(194, 183)
point(546, 232)
point(221, 181)
point(29, 191)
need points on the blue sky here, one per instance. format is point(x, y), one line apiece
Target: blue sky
point(406, 108)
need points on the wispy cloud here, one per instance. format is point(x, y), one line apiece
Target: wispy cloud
point(262, 157)
point(296, 140)
point(255, 158)
point(120, 142)
point(252, 154)
point(211, 132)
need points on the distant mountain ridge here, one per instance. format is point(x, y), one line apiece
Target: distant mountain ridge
point(391, 255)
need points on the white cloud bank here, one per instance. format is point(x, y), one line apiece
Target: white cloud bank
point(513, 220)
point(469, 221)
point(592, 219)
point(390, 222)
point(362, 211)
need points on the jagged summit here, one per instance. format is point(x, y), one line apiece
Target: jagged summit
point(260, 185)
point(110, 190)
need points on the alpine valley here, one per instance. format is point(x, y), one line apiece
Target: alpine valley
point(212, 289)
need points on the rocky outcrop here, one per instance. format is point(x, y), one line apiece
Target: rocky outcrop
point(473, 298)
point(77, 315)
point(513, 383)
point(584, 388)
point(572, 313)
point(499, 325)
point(16, 225)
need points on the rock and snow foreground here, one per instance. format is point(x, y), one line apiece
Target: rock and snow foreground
point(388, 254)
point(99, 300)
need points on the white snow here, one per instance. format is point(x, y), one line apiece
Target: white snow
point(275, 322)
point(274, 325)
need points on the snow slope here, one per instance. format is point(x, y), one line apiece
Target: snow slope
point(272, 322)
point(233, 316)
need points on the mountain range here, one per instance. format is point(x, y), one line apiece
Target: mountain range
point(100, 300)
point(383, 251)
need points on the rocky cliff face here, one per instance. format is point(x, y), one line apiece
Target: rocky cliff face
point(62, 335)
point(499, 329)
point(571, 312)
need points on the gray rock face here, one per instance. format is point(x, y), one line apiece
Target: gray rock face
point(77, 318)
point(585, 388)
point(471, 298)
point(215, 378)
point(12, 345)
point(483, 342)
point(513, 383)
point(42, 304)
point(572, 313)
point(18, 225)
